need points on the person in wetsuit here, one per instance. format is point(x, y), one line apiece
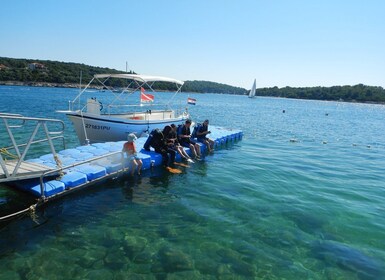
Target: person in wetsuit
point(185, 140)
point(172, 140)
point(202, 132)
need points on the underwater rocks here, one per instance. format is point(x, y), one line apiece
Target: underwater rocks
point(236, 263)
point(347, 258)
point(174, 260)
point(133, 245)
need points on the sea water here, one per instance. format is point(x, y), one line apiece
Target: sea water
point(300, 197)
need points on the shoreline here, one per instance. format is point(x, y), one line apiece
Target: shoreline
point(38, 84)
point(71, 85)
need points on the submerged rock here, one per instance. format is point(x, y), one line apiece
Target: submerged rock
point(228, 255)
point(8, 274)
point(206, 265)
point(143, 257)
point(210, 249)
point(133, 276)
point(168, 231)
point(224, 271)
point(305, 221)
point(174, 260)
point(99, 274)
point(185, 275)
point(116, 259)
point(244, 269)
point(133, 245)
point(348, 258)
point(91, 255)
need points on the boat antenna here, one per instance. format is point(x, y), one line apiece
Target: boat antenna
point(80, 82)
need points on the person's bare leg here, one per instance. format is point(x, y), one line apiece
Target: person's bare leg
point(192, 148)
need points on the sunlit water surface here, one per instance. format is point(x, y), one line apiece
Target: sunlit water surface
point(300, 197)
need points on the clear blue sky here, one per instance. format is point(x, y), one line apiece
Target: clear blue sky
point(280, 43)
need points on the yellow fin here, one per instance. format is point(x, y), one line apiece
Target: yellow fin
point(174, 170)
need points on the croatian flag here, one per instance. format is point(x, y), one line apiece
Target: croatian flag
point(145, 97)
point(191, 101)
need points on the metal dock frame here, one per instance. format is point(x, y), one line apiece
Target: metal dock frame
point(12, 122)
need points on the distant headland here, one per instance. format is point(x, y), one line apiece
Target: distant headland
point(33, 72)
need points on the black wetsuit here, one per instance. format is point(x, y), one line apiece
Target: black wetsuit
point(202, 128)
point(160, 146)
point(186, 141)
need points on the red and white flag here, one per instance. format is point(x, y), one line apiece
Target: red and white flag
point(191, 101)
point(145, 97)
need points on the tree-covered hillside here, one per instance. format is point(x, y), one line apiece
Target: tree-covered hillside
point(54, 73)
point(46, 71)
point(358, 93)
point(33, 71)
point(211, 87)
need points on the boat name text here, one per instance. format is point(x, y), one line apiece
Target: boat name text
point(102, 127)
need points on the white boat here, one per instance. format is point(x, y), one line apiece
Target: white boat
point(253, 88)
point(122, 113)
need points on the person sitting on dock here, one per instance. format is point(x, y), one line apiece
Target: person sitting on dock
point(202, 132)
point(184, 137)
point(173, 141)
point(169, 156)
point(157, 141)
point(130, 149)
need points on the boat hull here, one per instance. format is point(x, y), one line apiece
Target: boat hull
point(98, 128)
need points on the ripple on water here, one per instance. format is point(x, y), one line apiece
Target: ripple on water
point(262, 208)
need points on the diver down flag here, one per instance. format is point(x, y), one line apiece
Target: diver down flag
point(145, 97)
point(191, 101)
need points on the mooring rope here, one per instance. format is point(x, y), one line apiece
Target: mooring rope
point(31, 209)
point(5, 152)
point(59, 164)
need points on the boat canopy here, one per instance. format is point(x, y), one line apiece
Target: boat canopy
point(139, 78)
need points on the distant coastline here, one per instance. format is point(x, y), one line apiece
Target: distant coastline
point(72, 85)
point(38, 84)
point(46, 73)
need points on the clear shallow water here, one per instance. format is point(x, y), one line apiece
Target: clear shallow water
point(264, 208)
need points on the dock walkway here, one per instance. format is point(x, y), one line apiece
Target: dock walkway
point(86, 165)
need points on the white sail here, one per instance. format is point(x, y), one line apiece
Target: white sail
point(252, 91)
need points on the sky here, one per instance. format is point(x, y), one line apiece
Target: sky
point(297, 43)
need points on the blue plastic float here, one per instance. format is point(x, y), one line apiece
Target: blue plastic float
point(84, 165)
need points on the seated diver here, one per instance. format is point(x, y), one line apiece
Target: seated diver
point(202, 136)
point(158, 142)
point(185, 140)
point(173, 141)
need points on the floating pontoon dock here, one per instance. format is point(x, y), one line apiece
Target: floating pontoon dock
point(56, 174)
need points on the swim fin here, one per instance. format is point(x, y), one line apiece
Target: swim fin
point(173, 170)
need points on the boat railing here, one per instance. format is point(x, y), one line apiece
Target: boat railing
point(18, 126)
point(60, 170)
point(112, 109)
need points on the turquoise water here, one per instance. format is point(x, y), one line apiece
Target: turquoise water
point(300, 197)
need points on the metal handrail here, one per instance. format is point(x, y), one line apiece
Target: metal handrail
point(37, 141)
point(38, 122)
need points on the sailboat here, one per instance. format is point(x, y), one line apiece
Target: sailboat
point(253, 88)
